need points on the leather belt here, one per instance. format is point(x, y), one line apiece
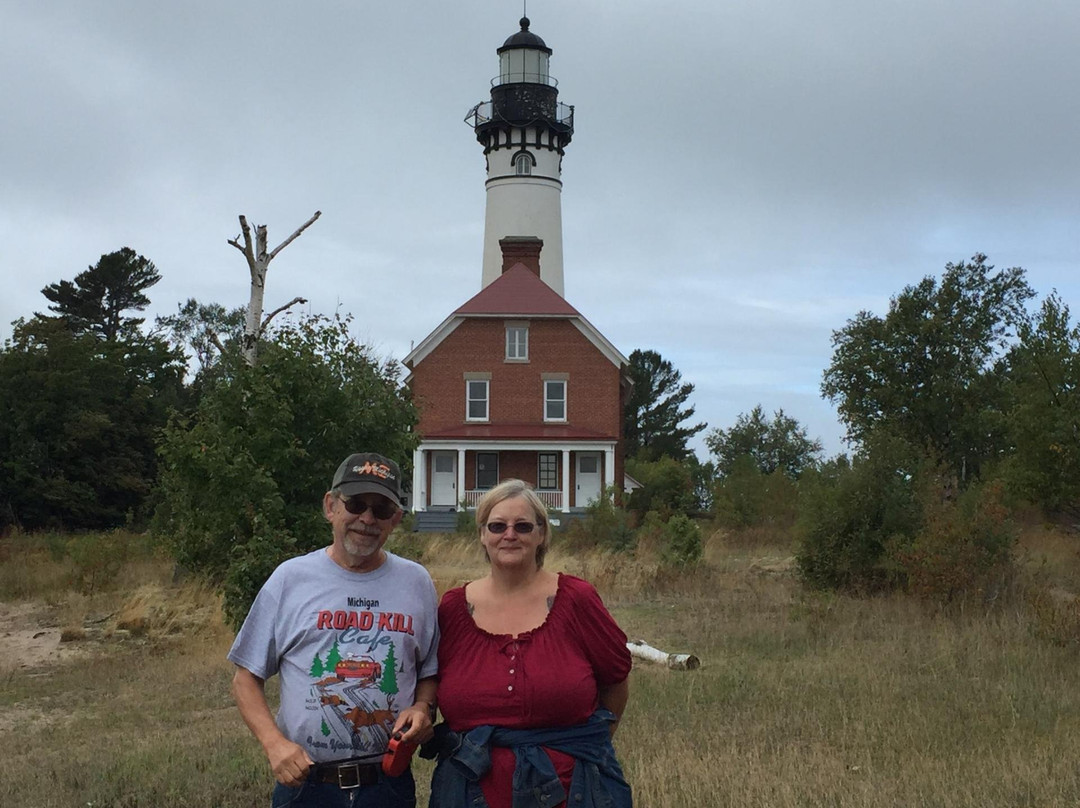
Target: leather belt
point(348, 773)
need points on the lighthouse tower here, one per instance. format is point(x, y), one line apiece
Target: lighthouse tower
point(524, 131)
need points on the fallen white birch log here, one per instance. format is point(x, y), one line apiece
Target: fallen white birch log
point(677, 662)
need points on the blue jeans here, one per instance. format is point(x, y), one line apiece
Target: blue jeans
point(389, 792)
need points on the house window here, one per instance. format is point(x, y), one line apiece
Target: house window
point(523, 164)
point(487, 470)
point(517, 343)
point(547, 477)
point(554, 400)
point(476, 400)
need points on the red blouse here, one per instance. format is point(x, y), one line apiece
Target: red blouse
point(546, 677)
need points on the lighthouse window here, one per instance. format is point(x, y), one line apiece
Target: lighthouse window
point(523, 164)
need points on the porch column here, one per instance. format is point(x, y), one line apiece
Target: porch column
point(566, 480)
point(460, 479)
point(609, 468)
point(419, 492)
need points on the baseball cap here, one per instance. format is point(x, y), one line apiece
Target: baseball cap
point(368, 473)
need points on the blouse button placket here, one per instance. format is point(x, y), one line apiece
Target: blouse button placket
point(513, 649)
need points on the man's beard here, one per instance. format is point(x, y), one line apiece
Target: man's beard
point(360, 545)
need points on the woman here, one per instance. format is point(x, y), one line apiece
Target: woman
point(532, 674)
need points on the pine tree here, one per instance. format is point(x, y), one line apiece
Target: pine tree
point(317, 668)
point(333, 658)
point(388, 684)
point(95, 303)
point(655, 409)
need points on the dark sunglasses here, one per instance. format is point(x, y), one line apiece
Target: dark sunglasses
point(521, 528)
point(383, 509)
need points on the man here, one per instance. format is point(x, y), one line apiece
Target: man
point(352, 630)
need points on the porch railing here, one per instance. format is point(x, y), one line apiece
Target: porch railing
point(551, 499)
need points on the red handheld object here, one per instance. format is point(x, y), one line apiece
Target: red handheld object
point(397, 757)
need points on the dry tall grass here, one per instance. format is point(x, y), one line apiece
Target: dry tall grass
point(802, 699)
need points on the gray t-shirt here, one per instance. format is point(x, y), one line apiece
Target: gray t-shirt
point(348, 646)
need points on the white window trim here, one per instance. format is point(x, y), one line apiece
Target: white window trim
point(510, 328)
point(564, 399)
point(469, 400)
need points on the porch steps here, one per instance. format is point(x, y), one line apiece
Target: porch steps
point(434, 522)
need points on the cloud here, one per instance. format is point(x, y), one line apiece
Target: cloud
point(742, 179)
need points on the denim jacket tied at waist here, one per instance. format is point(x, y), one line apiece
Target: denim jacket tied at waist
point(597, 781)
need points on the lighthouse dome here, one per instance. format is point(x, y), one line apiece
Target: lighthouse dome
point(524, 39)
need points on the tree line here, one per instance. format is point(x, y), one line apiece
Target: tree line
point(961, 405)
point(960, 402)
point(102, 425)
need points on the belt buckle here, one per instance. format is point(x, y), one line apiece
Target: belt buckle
point(355, 769)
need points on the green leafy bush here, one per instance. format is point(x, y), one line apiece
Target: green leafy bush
point(900, 517)
point(748, 498)
point(80, 419)
point(466, 522)
point(242, 480)
point(849, 519)
point(251, 564)
point(667, 486)
point(964, 549)
point(682, 541)
point(605, 525)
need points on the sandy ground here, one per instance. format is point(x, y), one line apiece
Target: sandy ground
point(30, 638)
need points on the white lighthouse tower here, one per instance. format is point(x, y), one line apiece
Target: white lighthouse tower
point(524, 131)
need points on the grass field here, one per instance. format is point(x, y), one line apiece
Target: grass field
point(802, 699)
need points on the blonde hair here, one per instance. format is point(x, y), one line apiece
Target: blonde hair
point(508, 489)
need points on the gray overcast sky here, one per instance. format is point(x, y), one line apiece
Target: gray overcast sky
point(744, 177)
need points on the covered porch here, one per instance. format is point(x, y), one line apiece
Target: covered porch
point(452, 475)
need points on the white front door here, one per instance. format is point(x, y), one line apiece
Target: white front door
point(588, 478)
point(444, 479)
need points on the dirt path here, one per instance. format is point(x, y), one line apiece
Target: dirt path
point(30, 638)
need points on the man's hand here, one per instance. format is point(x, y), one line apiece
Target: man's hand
point(289, 762)
point(414, 724)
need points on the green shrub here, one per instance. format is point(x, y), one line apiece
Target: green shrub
point(251, 564)
point(466, 522)
point(847, 520)
point(748, 498)
point(899, 517)
point(97, 558)
point(604, 525)
point(242, 481)
point(682, 541)
point(965, 547)
point(667, 486)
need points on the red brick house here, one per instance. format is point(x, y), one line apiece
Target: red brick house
point(517, 383)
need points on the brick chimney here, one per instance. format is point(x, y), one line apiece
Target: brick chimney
point(521, 250)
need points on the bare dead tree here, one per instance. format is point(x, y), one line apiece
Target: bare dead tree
point(258, 260)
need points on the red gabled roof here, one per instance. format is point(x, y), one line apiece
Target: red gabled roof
point(559, 432)
point(518, 292)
